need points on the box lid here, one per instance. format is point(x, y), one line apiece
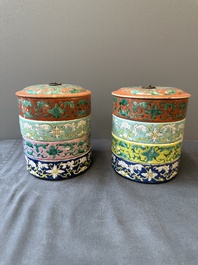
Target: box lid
point(157, 92)
point(53, 90)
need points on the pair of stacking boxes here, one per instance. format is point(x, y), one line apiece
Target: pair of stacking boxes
point(147, 132)
point(55, 126)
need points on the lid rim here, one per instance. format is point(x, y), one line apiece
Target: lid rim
point(58, 90)
point(157, 92)
point(51, 96)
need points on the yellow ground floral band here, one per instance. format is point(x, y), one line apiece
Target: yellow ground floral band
point(146, 153)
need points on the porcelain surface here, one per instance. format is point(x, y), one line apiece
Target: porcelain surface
point(145, 173)
point(150, 110)
point(58, 170)
point(151, 92)
point(146, 153)
point(148, 132)
point(53, 90)
point(54, 130)
point(56, 150)
point(53, 109)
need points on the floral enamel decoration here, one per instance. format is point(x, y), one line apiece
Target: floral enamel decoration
point(149, 110)
point(54, 131)
point(58, 170)
point(145, 173)
point(144, 153)
point(55, 126)
point(147, 132)
point(56, 150)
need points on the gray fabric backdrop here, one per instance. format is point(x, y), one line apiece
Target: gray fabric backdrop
point(97, 218)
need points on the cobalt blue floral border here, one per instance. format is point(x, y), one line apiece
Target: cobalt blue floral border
point(145, 173)
point(58, 170)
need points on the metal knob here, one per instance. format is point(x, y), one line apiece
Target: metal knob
point(55, 84)
point(149, 87)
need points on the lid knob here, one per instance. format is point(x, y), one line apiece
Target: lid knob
point(55, 84)
point(149, 87)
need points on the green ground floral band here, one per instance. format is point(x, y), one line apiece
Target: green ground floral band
point(146, 153)
point(148, 132)
point(54, 130)
point(56, 150)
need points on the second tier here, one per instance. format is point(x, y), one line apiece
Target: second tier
point(148, 132)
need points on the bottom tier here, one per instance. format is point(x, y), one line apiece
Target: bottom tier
point(145, 173)
point(57, 170)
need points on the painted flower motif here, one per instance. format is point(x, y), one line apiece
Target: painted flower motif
point(175, 165)
point(72, 126)
point(122, 164)
point(81, 123)
point(169, 92)
point(54, 171)
point(34, 173)
point(154, 111)
point(70, 164)
point(154, 134)
point(82, 169)
point(132, 168)
point(83, 160)
point(123, 173)
point(125, 125)
point(125, 135)
point(57, 132)
point(31, 163)
point(168, 128)
point(54, 151)
point(164, 168)
point(56, 111)
point(151, 154)
point(113, 158)
point(27, 126)
point(28, 135)
point(150, 175)
point(42, 165)
point(43, 126)
point(181, 126)
point(137, 129)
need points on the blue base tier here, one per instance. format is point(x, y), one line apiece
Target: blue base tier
point(58, 170)
point(145, 173)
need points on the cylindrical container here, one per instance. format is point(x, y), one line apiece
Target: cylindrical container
point(147, 132)
point(55, 126)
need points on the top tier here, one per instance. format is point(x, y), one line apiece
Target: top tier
point(53, 90)
point(151, 92)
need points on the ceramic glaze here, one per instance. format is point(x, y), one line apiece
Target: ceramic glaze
point(146, 153)
point(56, 90)
point(58, 170)
point(56, 150)
point(151, 92)
point(145, 173)
point(54, 109)
point(147, 132)
point(149, 110)
point(55, 126)
point(54, 130)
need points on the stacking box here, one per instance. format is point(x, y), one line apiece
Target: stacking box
point(55, 126)
point(147, 132)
